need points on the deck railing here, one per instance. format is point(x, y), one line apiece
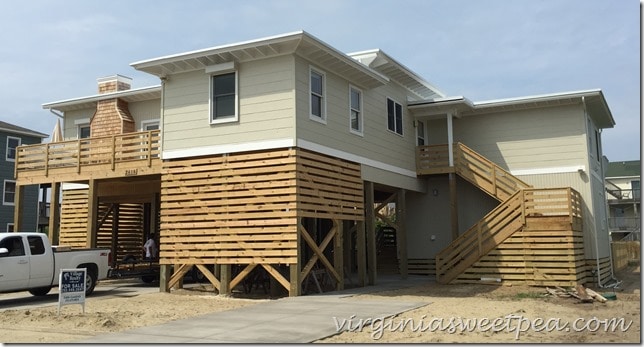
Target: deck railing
point(501, 223)
point(471, 166)
point(105, 150)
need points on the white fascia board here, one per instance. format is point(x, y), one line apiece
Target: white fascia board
point(227, 148)
point(99, 97)
point(533, 98)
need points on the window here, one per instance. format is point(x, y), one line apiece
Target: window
point(223, 104)
point(9, 192)
point(12, 144)
point(355, 109)
point(597, 145)
point(36, 246)
point(635, 186)
point(420, 133)
point(150, 125)
point(394, 117)
point(317, 86)
point(84, 131)
point(9, 227)
point(14, 246)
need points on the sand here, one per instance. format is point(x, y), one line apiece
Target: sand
point(525, 304)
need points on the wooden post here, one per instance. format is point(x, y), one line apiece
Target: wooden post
point(362, 253)
point(224, 288)
point(453, 205)
point(54, 213)
point(401, 233)
point(18, 207)
point(347, 248)
point(92, 213)
point(338, 255)
point(294, 269)
point(370, 226)
point(165, 272)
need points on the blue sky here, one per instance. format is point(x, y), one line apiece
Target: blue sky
point(481, 49)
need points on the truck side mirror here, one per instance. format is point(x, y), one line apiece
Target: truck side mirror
point(3, 252)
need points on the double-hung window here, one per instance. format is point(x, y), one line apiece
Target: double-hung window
point(394, 117)
point(223, 102)
point(420, 129)
point(84, 131)
point(317, 87)
point(355, 109)
point(12, 144)
point(9, 192)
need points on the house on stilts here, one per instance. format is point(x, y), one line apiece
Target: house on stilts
point(282, 154)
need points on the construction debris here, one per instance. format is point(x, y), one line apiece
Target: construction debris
point(584, 295)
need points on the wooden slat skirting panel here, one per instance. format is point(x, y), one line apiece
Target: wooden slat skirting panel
point(592, 274)
point(329, 187)
point(73, 218)
point(230, 209)
point(422, 267)
point(130, 230)
point(545, 252)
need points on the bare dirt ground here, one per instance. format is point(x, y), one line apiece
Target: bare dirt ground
point(528, 304)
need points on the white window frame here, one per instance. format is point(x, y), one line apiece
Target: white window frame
point(15, 152)
point(10, 227)
point(146, 123)
point(360, 130)
point(402, 117)
point(217, 70)
point(84, 125)
point(4, 193)
point(421, 126)
point(322, 117)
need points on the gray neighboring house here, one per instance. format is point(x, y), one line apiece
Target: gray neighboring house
point(12, 136)
point(624, 199)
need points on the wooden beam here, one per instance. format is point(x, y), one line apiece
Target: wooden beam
point(115, 230)
point(19, 206)
point(54, 213)
point(338, 254)
point(401, 232)
point(453, 205)
point(370, 226)
point(241, 275)
point(276, 275)
point(224, 283)
point(92, 213)
point(295, 288)
point(361, 253)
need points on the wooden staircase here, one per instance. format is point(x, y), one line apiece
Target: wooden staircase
point(518, 202)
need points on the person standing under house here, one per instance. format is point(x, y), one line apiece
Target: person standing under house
point(150, 247)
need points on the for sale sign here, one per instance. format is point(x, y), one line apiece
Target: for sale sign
point(71, 287)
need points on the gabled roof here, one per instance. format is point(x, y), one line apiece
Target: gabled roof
point(300, 42)
point(14, 129)
point(388, 66)
point(631, 168)
point(593, 100)
point(130, 95)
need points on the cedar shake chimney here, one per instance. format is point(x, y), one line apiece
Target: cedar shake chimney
point(112, 115)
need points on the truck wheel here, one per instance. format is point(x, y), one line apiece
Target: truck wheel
point(42, 291)
point(90, 282)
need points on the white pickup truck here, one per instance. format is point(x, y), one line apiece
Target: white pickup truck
point(29, 262)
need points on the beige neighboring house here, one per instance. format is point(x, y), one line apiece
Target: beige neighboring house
point(624, 200)
point(276, 157)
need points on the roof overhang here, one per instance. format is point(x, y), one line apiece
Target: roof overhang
point(131, 95)
point(592, 100)
point(388, 66)
point(25, 132)
point(300, 43)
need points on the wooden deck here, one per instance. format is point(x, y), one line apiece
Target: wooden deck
point(131, 154)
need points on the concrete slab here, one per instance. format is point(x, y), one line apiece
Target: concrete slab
point(288, 320)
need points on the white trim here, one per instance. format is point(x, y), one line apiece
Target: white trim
point(229, 119)
point(354, 158)
point(4, 193)
point(221, 68)
point(228, 148)
point(145, 123)
point(322, 118)
point(81, 121)
point(549, 170)
point(73, 186)
point(6, 154)
point(359, 132)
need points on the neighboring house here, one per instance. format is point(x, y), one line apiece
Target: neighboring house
point(278, 155)
point(11, 137)
point(624, 199)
